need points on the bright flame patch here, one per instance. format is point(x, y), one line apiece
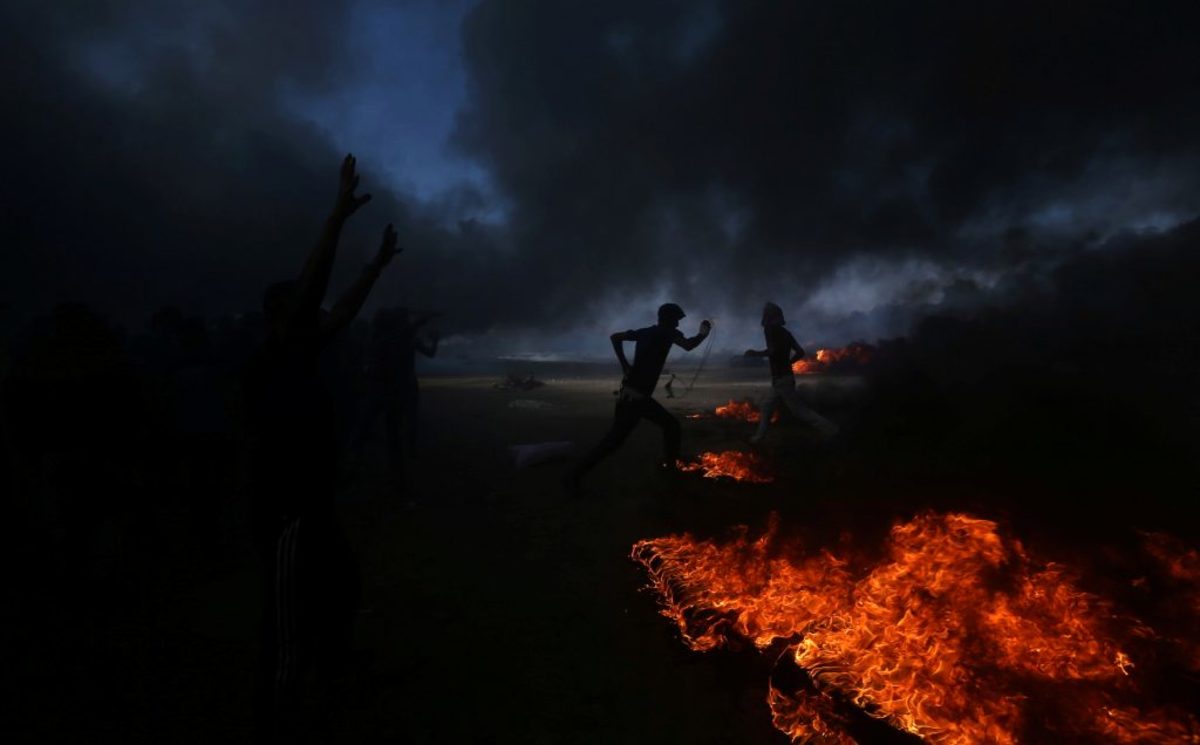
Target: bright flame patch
point(848, 358)
point(743, 410)
point(733, 464)
point(956, 635)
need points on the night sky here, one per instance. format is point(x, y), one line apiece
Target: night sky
point(556, 170)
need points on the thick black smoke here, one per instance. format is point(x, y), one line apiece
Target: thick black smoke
point(751, 149)
point(860, 163)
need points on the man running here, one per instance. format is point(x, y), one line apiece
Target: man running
point(779, 352)
point(634, 401)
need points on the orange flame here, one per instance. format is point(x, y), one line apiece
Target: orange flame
point(853, 356)
point(953, 636)
point(743, 410)
point(734, 464)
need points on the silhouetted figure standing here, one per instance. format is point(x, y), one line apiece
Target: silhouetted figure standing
point(634, 401)
point(310, 580)
point(668, 387)
point(391, 379)
point(782, 352)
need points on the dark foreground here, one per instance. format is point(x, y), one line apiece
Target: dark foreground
point(495, 609)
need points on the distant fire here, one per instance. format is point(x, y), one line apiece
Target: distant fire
point(733, 464)
point(956, 635)
point(743, 410)
point(849, 358)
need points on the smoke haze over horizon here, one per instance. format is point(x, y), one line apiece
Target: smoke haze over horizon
point(557, 170)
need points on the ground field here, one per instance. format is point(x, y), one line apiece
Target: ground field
point(495, 609)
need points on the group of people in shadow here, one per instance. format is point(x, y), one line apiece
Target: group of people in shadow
point(155, 443)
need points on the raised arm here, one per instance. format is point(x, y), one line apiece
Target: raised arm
point(352, 300)
point(314, 279)
point(692, 342)
point(618, 340)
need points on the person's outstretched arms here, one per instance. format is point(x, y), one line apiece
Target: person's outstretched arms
point(692, 342)
point(352, 301)
point(314, 279)
point(618, 341)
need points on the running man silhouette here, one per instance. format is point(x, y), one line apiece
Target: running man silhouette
point(634, 401)
point(310, 580)
point(779, 352)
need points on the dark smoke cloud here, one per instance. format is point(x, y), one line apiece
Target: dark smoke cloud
point(145, 160)
point(150, 160)
point(860, 163)
point(763, 151)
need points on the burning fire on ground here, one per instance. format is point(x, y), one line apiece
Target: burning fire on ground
point(956, 635)
point(849, 358)
point(743, 410)
point(733, 464)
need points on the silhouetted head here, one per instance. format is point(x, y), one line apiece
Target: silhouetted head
point(277, 304)
point(669, 314)
point(772, 315)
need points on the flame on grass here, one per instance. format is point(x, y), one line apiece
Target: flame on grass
point(956, 635)
point(733, 464)
point(743, 410)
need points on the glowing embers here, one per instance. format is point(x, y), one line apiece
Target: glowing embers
point(733, 464)
point(742, 410)
point(955, 635)
point(850, 358)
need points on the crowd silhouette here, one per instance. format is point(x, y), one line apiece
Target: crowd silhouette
point(193, 438)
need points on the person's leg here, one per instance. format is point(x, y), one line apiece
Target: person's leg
point(268, 644)
point(625, 418)
point(280, 650)
point(766, 411)
point(671, 431)
point(333, 586)
point(787, 392)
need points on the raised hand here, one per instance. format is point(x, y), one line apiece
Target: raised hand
point(347, 202)
point(387, 247)
point(705, 327)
